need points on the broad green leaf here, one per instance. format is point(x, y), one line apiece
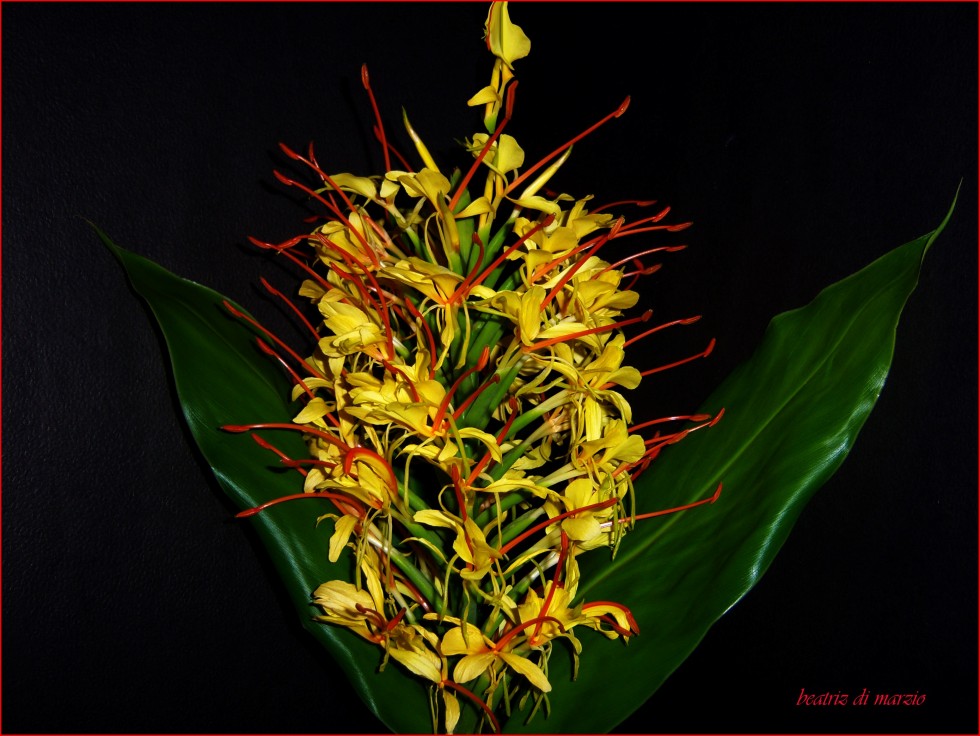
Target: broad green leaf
point(222, 378)
point(792, 413)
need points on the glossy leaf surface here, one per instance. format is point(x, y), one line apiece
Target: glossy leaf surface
point(791, 415)
point(223, 378)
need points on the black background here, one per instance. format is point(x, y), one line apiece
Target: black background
point(803, 140)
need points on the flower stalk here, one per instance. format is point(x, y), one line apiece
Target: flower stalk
point(463, 401)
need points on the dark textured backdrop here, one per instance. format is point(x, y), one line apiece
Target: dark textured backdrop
point(803, 140)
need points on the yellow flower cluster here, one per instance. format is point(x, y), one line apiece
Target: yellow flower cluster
point(463, 403)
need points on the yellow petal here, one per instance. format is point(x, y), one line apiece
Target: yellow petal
point(527, 668)
point(472, 666)
point(358, 184)
point(452, 710)
point(506, 40)
point(315, 409)
point(427, 667)
point(455, 643)
point(486, 96)
point(342, 531)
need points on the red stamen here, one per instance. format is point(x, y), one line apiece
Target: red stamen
point(629, 614)
point(288, 461)
point(570, 273)
point(337, 498)
point(486, 148)
point(678, 418)
point(548, 522)
point(463, 290)
point(637, 256)
point(352, 455)
point(623, 202)
point(298, 261)
point(379, 307)
point(293, 307)
point(379, 129)
point(674, 510)
point(668, 228)
point(537, 621)
point(469, 694)
point(294, 427)
point(461, 501)
point(267, 349)
point(480, 365)
point(480, 466)
point(411, 384)
point(510, 249)
point(653, 218)
point(241, 315)
point(559, 568)
point(591, 331)
point(665, 325)
point(703, 354)
point(636, 275)
point(390, 626)
point(416, 594)
point(558, 151)
point(472, 397)
point(329, 204)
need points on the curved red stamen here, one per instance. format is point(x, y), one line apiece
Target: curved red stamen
point(536, 621)
point(668, 228)
point(267, 349)
point(663, 420)
point(653, 218)
point(288, 302)
point(703, 354)
point(294, 427)
point(444, 406)
point(615, 114)
point(286, 460)
point(411, 384)
point(335, 497)
point(591, 331)
point(377, 115)
point(559, 569)
point(326, 285)
point(355, 451)
point(674, 510)
point(637, 256)
point(548, 522)
point(570, 273)
point(627, 612)
point(665, 325)
point(469, 694)
point(378, 306)
point(622, 202)
point(329, 204)
point(241, 315)
point(636, 275)
point(510, 249)
point(485, 460)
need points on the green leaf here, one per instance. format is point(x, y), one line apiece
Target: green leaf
point(792, 413)
point(222, 378)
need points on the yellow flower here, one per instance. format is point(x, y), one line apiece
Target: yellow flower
point(483, 656)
